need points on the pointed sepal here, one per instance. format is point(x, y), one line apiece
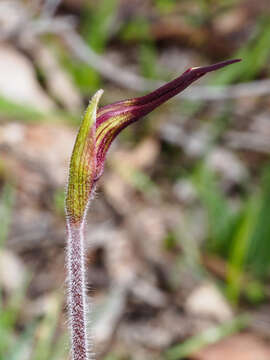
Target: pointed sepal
point(82, 169)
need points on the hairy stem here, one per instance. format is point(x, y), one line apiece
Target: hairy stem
point(77, 293)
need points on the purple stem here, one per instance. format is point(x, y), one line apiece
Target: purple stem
point(77, 293)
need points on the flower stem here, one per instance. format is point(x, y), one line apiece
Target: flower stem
point(77, 293)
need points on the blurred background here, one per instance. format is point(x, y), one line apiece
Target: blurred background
point(178, 237)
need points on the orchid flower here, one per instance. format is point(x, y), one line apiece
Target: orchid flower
point(97, 132)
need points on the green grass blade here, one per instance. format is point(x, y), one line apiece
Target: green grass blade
point(255, 55)
point(6, 204)
point(222, 220)
point(208, 337)
point(259, 252)
point(46, 330)
point(240, 247)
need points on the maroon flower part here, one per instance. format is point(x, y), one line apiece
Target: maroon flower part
point(111, 119)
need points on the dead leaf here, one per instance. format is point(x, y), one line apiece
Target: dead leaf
point(207, 301)
point(18, 81)
point(237, 347)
